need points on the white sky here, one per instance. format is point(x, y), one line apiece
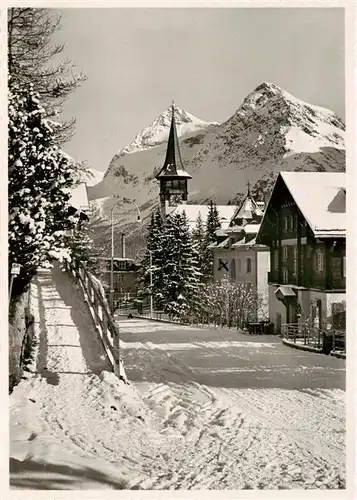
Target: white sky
point(208, 60)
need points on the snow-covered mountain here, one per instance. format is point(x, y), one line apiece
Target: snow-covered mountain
point(94, 177)
point(269, 132)
point(158, 131)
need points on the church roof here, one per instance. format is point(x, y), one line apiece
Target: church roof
point(249, 209)
point(173, 166)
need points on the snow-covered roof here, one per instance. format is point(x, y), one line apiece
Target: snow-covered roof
point(234, 229)
point(192, 211)
point(248, 209)
point(247, 243)
point(251, 228)
point(224, 243)
point(314, 194)
point(221, 232)
point(79, 198)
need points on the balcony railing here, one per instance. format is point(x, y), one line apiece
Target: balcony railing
point(314, 337)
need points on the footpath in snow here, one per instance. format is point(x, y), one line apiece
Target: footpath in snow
point(68, 395)
point(186, 421)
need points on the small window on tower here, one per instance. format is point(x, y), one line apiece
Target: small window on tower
point(249, 265)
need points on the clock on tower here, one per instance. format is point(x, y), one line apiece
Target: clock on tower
point(173, 176)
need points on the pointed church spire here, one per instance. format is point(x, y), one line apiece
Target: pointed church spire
point(173, 166)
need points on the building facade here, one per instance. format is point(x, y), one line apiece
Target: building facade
point(239, 257)
point(124, 277)
point(305, 228)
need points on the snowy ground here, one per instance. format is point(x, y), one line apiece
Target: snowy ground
point(205, 409)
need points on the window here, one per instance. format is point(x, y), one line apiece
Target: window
point(285, 275)
point(249, 265)
point(119, 265)
point(285, 253)
point(344, 267)
point(319, 261)
point(295, 261)
point(286, 222)
point(233, 270)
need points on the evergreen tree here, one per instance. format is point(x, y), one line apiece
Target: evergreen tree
point(199, 243)
point(213, 223)
point(155, 246)
point(81, 245)
point(180, 269)
point(40, 182)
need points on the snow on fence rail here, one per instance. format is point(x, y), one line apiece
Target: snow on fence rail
point(99, 309)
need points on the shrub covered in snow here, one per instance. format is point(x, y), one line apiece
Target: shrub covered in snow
point(40, 180)
point(227, 303)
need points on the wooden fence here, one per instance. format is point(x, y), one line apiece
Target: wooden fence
point(98, 306)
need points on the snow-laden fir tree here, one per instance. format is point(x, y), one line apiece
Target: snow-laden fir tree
point(40, 182)
point(180, 268)
point(155, 246)
point(213, 223)
point(81, 245)
point(199, 242)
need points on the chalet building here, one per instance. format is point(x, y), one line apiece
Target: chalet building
point(174, 178)
point(304, 226)
point(78, 202)
point(125, 275)
point(239, 257)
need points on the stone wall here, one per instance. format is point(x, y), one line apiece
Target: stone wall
point(21, 327)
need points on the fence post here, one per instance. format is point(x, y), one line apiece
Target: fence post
point(116, 349)
point(333, 339)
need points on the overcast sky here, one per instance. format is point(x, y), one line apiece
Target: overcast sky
point(208, 60)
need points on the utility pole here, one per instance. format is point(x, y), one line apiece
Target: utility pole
point(151, 295)
point(111, 290)
point(151, 283)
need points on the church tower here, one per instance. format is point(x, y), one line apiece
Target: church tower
point(173, 176)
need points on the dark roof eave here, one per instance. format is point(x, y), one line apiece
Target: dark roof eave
point(167, 175)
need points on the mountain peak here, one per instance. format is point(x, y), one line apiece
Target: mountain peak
point(158, 131)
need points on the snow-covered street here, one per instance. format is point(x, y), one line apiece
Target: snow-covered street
point(205, 409)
